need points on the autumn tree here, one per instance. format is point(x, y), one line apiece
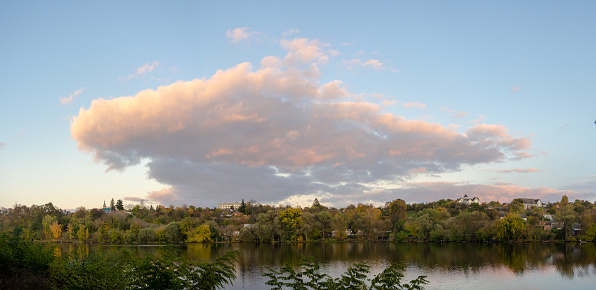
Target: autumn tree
point(56, 230)
point(290, 220)
point(83, 233)
point(46, 224)
point(202, 234)
point(397, 213)
point(70, 229)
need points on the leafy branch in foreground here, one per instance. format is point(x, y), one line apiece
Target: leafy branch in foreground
point(120, 270)
point(172, 272)
point(308, 277)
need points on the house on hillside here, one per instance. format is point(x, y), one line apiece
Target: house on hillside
point(530, 202)
point(467, 200)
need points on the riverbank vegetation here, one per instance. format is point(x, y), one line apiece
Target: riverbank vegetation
point(28, 265)
point(443, 220)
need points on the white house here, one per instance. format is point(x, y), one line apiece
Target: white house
point(467, 200)
point(530, 202)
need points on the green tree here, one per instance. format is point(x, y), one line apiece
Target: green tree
point(564, 200)
point(568, 216)
point(326, 221)
point(511, 228)
point(316, 204)
point(517, 206)
point(147, 235)
point(112, 204)
point(119, 205)
point(172, 232)
point(421, 224)
point(242, 207)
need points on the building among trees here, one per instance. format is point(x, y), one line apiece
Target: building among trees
point(229, 205)
point(467, 200)
point(106, 208)
point(530, 202)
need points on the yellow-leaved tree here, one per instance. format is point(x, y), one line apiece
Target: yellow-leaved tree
point(200, 234)
point(56, 230)
point(291, 221)
point(83, 233)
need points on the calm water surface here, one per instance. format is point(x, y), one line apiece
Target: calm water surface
point(448, 266)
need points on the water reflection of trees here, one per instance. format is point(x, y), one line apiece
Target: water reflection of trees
point(568, 259)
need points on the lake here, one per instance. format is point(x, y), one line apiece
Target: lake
point(448, 265)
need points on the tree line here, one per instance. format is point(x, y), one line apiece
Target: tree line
point(443, 220)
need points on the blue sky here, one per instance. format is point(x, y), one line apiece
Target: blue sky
point(285, 102)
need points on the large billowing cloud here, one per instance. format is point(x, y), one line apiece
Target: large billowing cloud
point(272, 133)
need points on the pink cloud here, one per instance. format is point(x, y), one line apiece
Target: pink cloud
point(460, 115)
point(290, 32)
point(142, 70)
point(418, 170)
point(272, 133)
point(302, 51)
point(518, 170)
point(479, 120)
point(371, 63)
point(497, 134)
point(64, 101)
point(238, 34)
point(388, 103)
point(374, 64)
point(334, 90)
point(515, 89)
point(163, 196)
point(416, 105)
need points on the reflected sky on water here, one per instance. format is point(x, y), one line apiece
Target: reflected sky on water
point(448, 265)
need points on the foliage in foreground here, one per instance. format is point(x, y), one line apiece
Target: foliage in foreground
point(25, 265)
point(119, 269)
point(309, 277)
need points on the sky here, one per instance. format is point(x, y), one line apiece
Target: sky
point(204, 102)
